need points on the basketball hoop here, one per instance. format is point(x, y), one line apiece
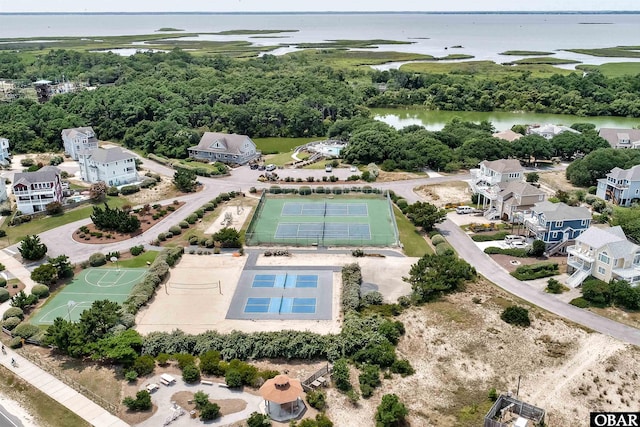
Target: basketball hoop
point(115, 261)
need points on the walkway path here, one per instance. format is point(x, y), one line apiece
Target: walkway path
point(485, 266)
point(59, 391)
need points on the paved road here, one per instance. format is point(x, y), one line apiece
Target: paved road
point(485, 266)
point(7, 419)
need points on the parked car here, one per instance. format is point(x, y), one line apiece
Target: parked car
point(513, 238)
point(253, 166)
point(353, 169)
point(328, 168)
point(261, 167)
point(461, 210)
point(270, 167)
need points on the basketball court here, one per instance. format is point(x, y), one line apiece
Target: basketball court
point(90, 285)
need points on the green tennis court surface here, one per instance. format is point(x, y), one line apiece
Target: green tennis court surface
point(90, 285)
point(335, 221)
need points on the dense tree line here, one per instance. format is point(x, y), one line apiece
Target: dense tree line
point(590, 95)
point(586, 171)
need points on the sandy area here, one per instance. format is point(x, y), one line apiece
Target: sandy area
point(183, 304)
point(441, 194)
point(18, 411)
point(238, 215)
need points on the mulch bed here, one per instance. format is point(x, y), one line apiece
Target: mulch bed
point(146, 222)
point(505, 261)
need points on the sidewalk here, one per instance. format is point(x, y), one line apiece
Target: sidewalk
point(57, 390)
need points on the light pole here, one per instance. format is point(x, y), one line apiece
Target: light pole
point(70, 304)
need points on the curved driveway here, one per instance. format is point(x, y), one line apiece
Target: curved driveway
point(485, 266)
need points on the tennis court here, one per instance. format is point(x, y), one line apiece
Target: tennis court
point(327, 221)
point(295, 294)
point(90, 285)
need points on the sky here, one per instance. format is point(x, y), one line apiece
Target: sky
point(8, 6)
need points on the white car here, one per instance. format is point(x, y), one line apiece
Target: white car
point(461, 210)
point(353, 169)
point(270, 167)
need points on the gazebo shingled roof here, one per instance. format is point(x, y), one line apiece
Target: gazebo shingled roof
point(281, 389)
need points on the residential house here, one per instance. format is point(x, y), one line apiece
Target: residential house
point(604, 253)
point(508, 135)
point(557, 224)
point(621, 138)
point(225, 148)
point(485, 182)
point(549, 131)
point(78, 139)
point(35, 190)
point(517, 198)
point(111, 165)
point(621, 186)
point(5, 157)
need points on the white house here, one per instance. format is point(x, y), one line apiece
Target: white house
point(35, 190)
point(549, 131)
point(5, 157)
point(508, 135)
point(604, 253)
point(486, 182)
point(78, 139)
point(225, 148)
point(621, 186)
point(111, 165)
point(621, 138)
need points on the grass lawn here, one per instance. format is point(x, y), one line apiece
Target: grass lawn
point(614, 69)
point(483, 68)
point(281, 145)
point(37, 226)
point(415, 245)
point(279, 159)
point(48, 411)
point(139, 261)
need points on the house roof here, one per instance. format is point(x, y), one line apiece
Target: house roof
point(108, 155)
point(552, 129)
point(613, 135)
point(73, 132)
point(631, 174)
point(45, 174)
point(561, 211)
point(508, 135)
point(231, 143)
point(519, 187)
point(597, 237)
point(503, 165)
point(281, 389)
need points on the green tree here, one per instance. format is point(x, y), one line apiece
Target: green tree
point(256, 419)
point(99, 319)
point(142, 402)
point(625, 295)
point(210, 363)
point(596, 292)
point(200, 398)
point(533, 177)
point(228, 237)
point(66, 336)
point(45, 274)
point(515, 315)
point(391, 412)
point(538, 247)
point(341, 375)
point(210, 411)
point(22, 300)
point(425, 215)
point(54, 208)
point(434, 275)
point(191, 374)
point(317, 399)
point(144, 365)
point(185, 180)
point(122, 347)
point(62, 265)
point(31, 248)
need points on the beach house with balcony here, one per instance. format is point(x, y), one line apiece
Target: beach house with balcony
point(35, 190)
point(621, 138)
point(112, 166)
point(78, 139)
point(5, 156)
point(621, 186)
point(517, 198)
point(549, 131)
point(486, 180)
point(225, 148)
point(604, 253)
point(557, 224)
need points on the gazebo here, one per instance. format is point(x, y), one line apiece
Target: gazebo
point(282, 398)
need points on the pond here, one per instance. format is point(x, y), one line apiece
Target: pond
point(436, 120)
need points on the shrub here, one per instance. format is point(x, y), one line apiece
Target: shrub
point(136, 250)
point(515, 252)
point(113, 191)
point(183, 224)
point(129, 189)
point(108, 219)
point(41, 291)
point(148, 183)
point(436, 239)
point(538, 248)
point(515, 315)
point(257, 419)
point(579, 302)
point(15, 342)
point(53, 208)
point(175, 230)
point(144, 365)
point(97, 259)
point(11, 323)
point(489, 237)
point(390, 412)
point(372, 298)
point(142, 402)
point(597, 292)
point(341, 375)
point(131, 376)
point(210, 411)
point(536, 271)
point(228, 238)
point(25, 330)
point(191, 374)
point(369, 379)
point(351, 281)
point(317, 399)
point(493, 394)
point(4, 295)
point(233, 378)
point(191, 219)
point(13, 312)
point(555, 287)
point(3, 282)
point(444, 249)
point(402, 367)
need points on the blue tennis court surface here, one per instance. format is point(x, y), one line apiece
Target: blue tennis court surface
point(319, 230)
point(324, 209)
point(281, 305)
point(285, 281)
